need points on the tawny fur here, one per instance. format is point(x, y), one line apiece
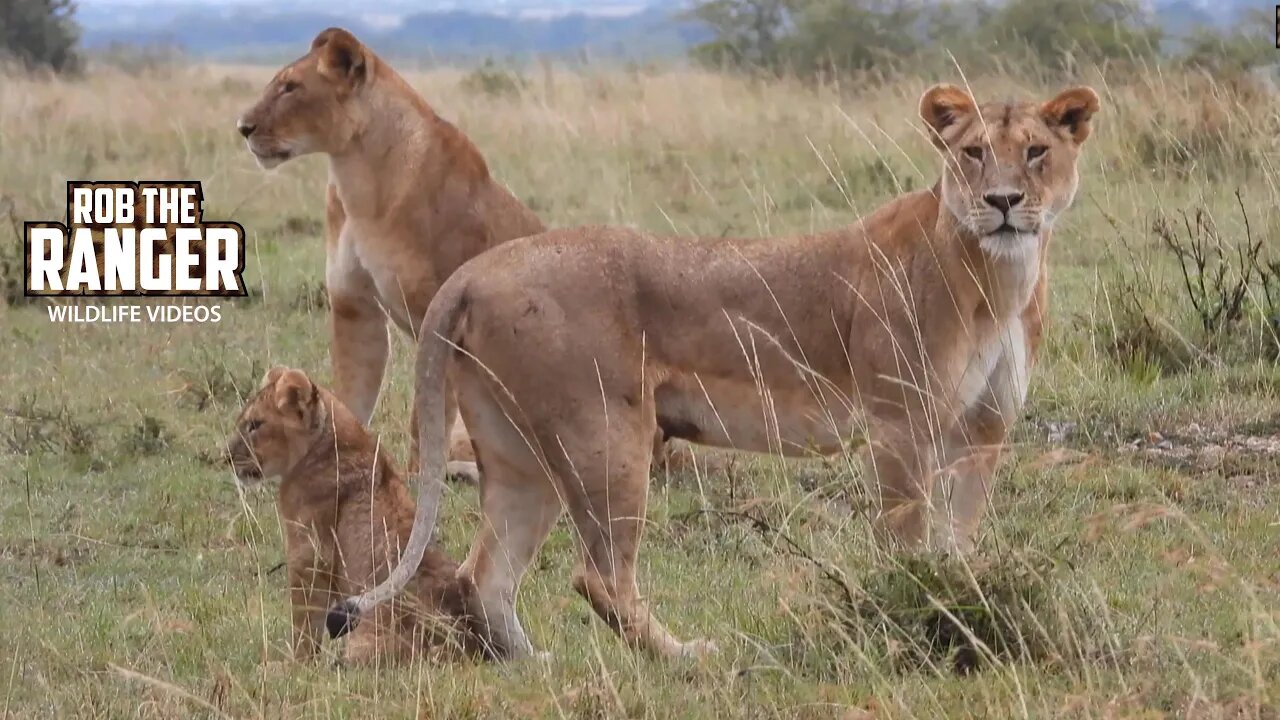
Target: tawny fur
point(912, 329)
point(409, 200)
point(346, 514)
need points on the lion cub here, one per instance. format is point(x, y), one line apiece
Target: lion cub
point(346, 513)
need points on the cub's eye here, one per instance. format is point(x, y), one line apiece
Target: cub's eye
point(252, 426)
point(290, 86)
point(974, 151)
point(1036, 151)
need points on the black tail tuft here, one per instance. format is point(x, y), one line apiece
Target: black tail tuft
point(342, 619)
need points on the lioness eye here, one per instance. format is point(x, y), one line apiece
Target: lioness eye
point(974, 151)
point(1036, 151)
point(290, 86)
point(252, 425)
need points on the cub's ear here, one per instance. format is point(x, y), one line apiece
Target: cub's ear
point(297, 396)
point(1071, 110)
point(272, 376)
point(942, 106)
point(341, 55)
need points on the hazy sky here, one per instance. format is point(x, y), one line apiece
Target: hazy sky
point(366, 7)
point(354, 5)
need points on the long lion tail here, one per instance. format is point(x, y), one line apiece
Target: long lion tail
point(436, 341)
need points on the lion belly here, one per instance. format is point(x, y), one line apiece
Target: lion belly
point(741, 416)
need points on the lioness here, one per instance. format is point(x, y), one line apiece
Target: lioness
point(914, 327)
point(346, 514)
point(409, 200)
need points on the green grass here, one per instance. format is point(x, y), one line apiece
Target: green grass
point(137, 582)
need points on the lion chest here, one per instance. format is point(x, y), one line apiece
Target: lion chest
point(996, 372)
point(996, 366)
point(367, 261)
point(1011, 277)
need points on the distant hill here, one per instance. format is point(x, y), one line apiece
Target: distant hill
point(443, 30)
point(248, 31)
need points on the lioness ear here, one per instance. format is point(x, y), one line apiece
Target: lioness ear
point(296, 395)
point(942, 106)
point(1071, 110)
point(341, 55)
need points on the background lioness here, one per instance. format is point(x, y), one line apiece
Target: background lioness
point(913, 328)
point(346, 514)
point(410, 199)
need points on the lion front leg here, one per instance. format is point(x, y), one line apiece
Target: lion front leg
point(309, 598)
point(974, 446)
point(359, 348)
point(973, 451)
point(358, 341)
point(903, 466)
point(310, 587)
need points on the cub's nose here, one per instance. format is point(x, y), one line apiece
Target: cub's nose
point(246, 129)
point(1003, 201)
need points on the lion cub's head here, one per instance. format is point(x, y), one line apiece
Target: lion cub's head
point(277, 426)
point(1010, 168)
point(307, 106)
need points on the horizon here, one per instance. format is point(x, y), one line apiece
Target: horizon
point(511, 29)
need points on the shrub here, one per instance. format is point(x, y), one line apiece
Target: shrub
point(822, 37)
point(490, 79)
point(1230, 52)
point(40, 33)
point(1216, 274)
point(148, 437)
point(1225, 285)
point(946, 614)
point(1064, 35)
point(31, 427)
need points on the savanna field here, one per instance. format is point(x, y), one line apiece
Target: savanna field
point(1130, 566)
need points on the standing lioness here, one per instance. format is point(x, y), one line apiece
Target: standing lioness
point(410, 199)
point(914, 328)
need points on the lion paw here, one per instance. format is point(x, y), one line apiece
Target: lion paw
point(460, 471)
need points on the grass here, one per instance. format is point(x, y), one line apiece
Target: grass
point(1110, 582)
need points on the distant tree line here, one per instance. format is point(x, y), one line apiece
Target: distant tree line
point(828, 37)
point(39, 33)
point(810, 37)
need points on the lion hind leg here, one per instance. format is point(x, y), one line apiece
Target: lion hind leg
point(519, 511)
point(607, 505)
point(379, 639)
point(607, 581)
point(461, 453)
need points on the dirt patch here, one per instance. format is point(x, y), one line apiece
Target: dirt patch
point(1228, 452)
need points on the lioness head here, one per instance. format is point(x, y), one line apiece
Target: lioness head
point(1010, 168)
point(277, 426)
point(305, 107)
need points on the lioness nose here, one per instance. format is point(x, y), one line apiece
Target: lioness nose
point(246, 129)
point(1003, 201)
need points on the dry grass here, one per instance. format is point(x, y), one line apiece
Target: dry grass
point(136, 582)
